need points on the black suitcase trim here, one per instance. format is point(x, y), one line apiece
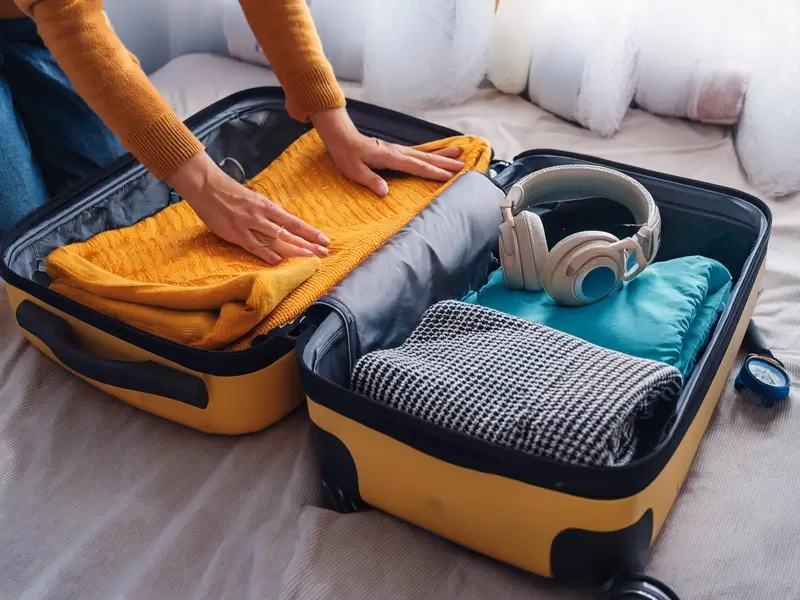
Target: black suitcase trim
point(147, 377)
point(580, 555)
point(372, 120)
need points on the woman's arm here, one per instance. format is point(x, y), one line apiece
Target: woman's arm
point(111, 82)
point(287, 34)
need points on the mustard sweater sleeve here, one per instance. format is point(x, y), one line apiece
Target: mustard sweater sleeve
point(110, 80)
point(287, 34)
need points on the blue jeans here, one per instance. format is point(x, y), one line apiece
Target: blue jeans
point(49, 138)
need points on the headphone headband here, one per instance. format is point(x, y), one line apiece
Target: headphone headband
point(568, 182)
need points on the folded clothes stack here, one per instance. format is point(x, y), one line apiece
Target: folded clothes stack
point(667, 313)
point(170, 276)
point(590, 385)
point(522, 385)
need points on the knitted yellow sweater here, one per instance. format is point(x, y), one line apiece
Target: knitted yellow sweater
point(172, 277)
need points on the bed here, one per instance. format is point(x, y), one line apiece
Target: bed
point(99, 500)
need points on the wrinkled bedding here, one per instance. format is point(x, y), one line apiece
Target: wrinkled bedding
point(99, 500)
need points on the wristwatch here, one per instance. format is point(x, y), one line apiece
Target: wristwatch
point(762, 373)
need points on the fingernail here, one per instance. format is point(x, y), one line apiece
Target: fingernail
point(307, 252)
point(383, 189)
point(323, 239)
point(323, 251)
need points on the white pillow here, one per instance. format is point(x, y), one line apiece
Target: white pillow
point(241, 41)
point(341, 25)
point(511, 46)
point(695, 59)
point(768, 136)
point(420, 53)
point(583, 66)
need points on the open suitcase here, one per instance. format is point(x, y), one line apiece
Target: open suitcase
point(553, 519)
point(221, 392)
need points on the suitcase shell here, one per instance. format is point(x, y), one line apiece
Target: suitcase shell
point(556, 520)
point(219, 392)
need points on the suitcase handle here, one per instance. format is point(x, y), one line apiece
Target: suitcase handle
point(147, 377)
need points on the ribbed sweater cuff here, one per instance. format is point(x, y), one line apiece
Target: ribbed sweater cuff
point(311, 92)
point(164, 145)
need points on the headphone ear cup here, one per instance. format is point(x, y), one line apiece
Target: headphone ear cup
point(532, 249)
point(510, 257)
point(559, 284)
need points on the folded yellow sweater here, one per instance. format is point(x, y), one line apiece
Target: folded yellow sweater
point(170, 276)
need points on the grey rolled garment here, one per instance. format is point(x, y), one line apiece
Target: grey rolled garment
point(521, 385)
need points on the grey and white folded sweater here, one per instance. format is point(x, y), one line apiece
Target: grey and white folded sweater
point(518, 384)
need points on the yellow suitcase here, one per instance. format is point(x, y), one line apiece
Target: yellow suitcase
point(553, 519)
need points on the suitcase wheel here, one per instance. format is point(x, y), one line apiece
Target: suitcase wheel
point(635, 586)
point(335, 498)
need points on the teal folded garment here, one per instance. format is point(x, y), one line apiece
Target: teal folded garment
point(667, 313)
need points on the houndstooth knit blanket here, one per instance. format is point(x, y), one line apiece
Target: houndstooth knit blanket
point(518, 384)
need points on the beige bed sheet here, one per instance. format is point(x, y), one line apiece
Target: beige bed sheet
point(101, 501)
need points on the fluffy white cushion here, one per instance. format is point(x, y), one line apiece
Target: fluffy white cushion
point(420, 53)
point(695, 59)
point(511, 46)
point(241, 42)
point(768, 136)
point(583, 66)
point(341, 25)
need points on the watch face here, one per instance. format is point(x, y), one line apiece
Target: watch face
point(767, 373)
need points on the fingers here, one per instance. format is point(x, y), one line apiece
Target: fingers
point(362, 174)
point(258, 248)
point(279, 232)
point(281, 247)
point(299, 228)
point(408, 163)
point(448, 152)
point(442, 161)
point(276, 215)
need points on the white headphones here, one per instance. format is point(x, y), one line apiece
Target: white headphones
point(583, 267)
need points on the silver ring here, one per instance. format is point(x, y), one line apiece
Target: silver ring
point(267, 241)
point(280, 233)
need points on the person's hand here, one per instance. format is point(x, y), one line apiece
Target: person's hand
point(243, 217)
point(355, 154)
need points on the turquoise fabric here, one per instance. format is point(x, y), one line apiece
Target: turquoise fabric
point(667, 313)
